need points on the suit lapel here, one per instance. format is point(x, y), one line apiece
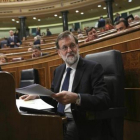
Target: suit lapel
point(79, 72)
point(59, 76)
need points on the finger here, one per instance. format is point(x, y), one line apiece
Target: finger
point(28, 98)
point(23, 97)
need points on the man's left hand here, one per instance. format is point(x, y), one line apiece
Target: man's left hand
point(65, 97)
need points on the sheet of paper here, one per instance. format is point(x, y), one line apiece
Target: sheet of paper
point(35, 89)
point(34, 104)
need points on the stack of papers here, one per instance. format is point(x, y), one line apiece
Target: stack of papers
point(38, 104)
point(35, 89)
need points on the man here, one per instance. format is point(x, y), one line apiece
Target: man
point(86, 91)
point(13, 41)
point(117, 18)
point(37, 40)
point(37, 51)
point(121, 25)
point(3, 43)
point(92, 34)
point(3, 59)
point(130, 20)
point(136, 18)
point(48, 32)
point(101, 22)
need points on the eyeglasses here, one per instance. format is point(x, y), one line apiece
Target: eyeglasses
point(65, 48)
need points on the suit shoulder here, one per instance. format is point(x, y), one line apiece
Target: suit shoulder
point(60, 66)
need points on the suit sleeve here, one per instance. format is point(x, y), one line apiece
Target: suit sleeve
point(98, 99)
point(8, 42)
point(18, 41)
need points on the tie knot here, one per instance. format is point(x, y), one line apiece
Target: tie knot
point(69, 69)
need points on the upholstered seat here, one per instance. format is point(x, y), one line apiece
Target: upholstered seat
point(112, 64)
point(28, 77)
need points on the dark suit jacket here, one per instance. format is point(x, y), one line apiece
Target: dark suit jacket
point(2, 43)
point(43, 54)
point(37, 42)
point(101, 23)
point(89, 83)
point(16, 40)
point(49, 33)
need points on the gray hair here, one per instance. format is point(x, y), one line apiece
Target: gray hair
point(63, 35)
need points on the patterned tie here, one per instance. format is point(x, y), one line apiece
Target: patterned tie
point(65, 86)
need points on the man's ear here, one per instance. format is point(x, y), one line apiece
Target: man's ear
point(58, 51)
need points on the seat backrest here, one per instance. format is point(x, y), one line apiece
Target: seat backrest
point(28, 77)
point(112, 64)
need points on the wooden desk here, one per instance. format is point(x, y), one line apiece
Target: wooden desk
point(16, 126)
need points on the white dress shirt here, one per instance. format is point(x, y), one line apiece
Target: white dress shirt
point(72, 75)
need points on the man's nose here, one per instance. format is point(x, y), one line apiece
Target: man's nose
point(69, 49)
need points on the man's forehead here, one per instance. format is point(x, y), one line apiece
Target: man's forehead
point(67, 40)
point(93, 30)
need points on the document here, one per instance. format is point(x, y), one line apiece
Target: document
point(38, 104)
point(35, 89)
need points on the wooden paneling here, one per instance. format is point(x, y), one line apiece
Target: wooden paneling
point(42, 75)
point(16, 126)
point(131, 130)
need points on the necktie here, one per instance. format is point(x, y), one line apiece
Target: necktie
point(12, 38)
point(65, 86)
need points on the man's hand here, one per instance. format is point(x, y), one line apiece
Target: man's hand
point(29, 97)
point(65, 97)
point(18, 44)
point(33, 55)
point(12, 43)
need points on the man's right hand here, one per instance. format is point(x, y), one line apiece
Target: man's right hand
point(29, 97)
point(12, 43)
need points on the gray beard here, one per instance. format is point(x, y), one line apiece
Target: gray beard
point(70, 61)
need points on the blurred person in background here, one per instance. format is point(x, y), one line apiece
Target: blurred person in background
point(3, 59)
point(16, 33)
point(13, 41)
point(121, 25)
point(37, 31)
point(101, 22)
point(130, 20)
point(37, 51)
point(37, 40)
point(136, 18)
point(117, 18)
point(108, 24)
point(91, 34)
point(48, 32)
point(3, 43)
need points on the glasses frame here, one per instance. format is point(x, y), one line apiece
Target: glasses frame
point(65, 48)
